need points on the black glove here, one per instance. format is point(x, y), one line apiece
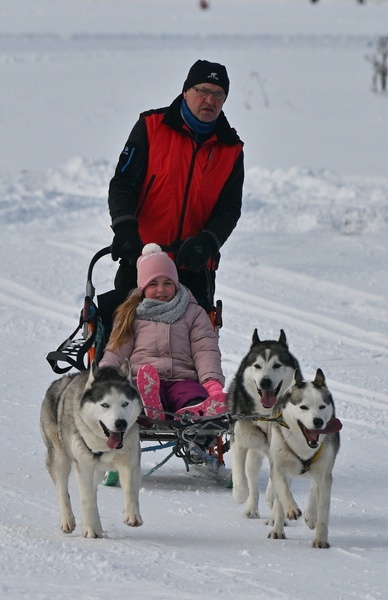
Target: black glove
point(126, 242)
point(196, 251)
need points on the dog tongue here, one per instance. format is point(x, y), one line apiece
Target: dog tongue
point(268, 398)
point(114, 440)
point(332, 426)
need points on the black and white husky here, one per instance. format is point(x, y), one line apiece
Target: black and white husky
point(306, 441)
point(88, 420)
point(263, 375)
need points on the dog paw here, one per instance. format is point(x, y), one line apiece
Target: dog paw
point(320, 544)
point(251, 514)
point(276, 535)
point(293, 513)
point(91, 532)
point(133, 520)
point(68, 526)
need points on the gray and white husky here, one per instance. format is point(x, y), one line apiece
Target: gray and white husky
point(88, 420)
point(263, 375)
point(307, 441)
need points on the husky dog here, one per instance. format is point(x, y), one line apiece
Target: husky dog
point(264, 373)
point(88, 420)
point(307, 440)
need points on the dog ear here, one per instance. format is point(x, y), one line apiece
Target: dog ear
point(255, 338)
point(319, 380)
point(298, 379)
point(92, 375)
point(283, 339)
point(125, 370)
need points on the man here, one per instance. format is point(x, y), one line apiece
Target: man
point(179, 183)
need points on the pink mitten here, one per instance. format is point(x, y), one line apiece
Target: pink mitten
point(214, 389)
point(212, 386)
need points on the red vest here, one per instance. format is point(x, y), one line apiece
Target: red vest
point(182, 183)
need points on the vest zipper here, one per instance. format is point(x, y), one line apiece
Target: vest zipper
point(149, 186)
point(186, 195)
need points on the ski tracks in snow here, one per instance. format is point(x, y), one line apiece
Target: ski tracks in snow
point(23, 298)
point(313, 323)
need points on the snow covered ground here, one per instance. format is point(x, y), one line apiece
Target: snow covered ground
point(309, 255)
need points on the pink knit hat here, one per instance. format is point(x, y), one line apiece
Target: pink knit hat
point(152, 263)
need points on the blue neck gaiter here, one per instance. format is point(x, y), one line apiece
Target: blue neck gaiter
point(201, 130)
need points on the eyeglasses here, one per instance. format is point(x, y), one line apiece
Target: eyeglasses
point(204, 93)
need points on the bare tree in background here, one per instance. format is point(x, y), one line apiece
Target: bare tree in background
point(379, 62)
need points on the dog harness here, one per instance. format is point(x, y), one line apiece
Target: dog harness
point(306, 463)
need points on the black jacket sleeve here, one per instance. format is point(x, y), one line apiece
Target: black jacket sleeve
point(227, 211)
point(124, 188)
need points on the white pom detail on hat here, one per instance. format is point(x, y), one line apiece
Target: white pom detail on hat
point(151, 248)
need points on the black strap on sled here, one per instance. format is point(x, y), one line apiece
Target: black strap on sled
point(74, 349)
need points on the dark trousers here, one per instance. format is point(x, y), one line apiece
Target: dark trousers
point(177, 394)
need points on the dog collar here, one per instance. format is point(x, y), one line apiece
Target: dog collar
point(95, 454)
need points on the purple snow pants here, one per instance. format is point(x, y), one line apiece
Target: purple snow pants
point(177, 394)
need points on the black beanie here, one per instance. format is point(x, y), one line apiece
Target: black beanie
point(204, 71)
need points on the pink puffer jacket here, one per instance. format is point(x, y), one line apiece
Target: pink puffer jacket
point(186, 349)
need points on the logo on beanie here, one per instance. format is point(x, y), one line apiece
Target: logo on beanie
point(213, 76)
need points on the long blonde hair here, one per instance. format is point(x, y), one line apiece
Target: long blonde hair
point(123, 319)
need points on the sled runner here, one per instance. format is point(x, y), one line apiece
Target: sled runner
point(195, 439)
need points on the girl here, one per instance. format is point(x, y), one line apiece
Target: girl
point(169, 342)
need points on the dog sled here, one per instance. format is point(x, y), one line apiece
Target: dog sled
point(200, 442)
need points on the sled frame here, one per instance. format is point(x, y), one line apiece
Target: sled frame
point(189, 437)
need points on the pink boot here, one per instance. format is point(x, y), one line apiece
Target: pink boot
point(148, 384)
point(214, 405)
